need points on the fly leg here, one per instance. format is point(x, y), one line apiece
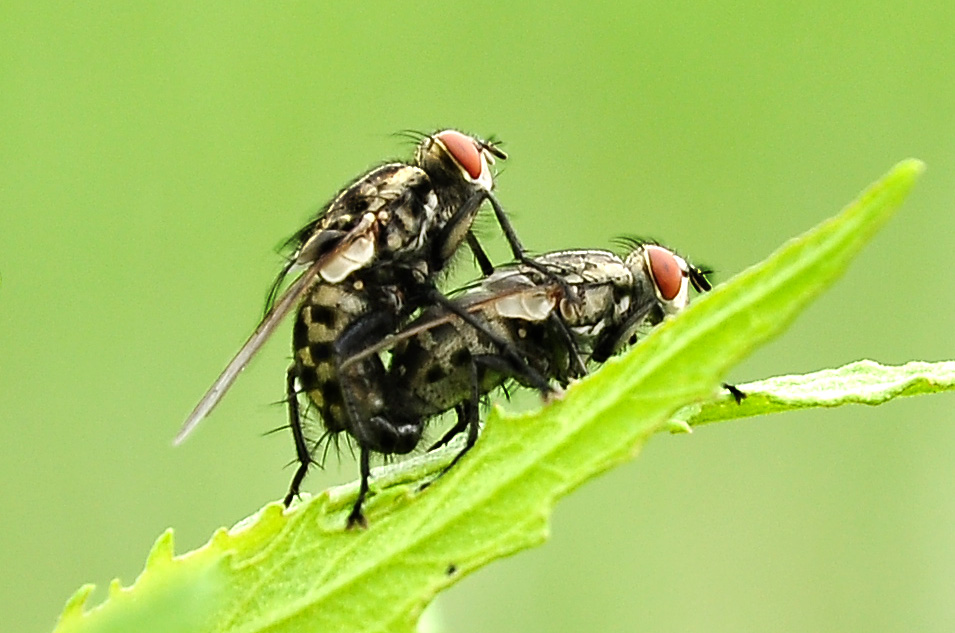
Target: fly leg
point(513, 241)
point(364, 388)
point(458, 230)
point(468, 414)
point(460, 425)
point(302, 454)
point(361, 382)
point(737, 394)
point(484, 262)
point(577, 368)
point(355, 386)
point(355, 517)
point(520, 253)
point(467, 417)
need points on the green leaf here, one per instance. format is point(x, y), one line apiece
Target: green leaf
point(861, 382)
point(300, 571)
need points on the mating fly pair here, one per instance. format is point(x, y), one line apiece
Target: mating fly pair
point(365, 264)
point(370, 261)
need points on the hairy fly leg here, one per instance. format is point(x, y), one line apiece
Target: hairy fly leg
point(355, 517)
point(468, 411)
point(302, 454)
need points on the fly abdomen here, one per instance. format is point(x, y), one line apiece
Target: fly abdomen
point(324, 314)
point(430, 372)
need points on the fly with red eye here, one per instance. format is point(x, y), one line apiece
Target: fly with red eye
point(441, 363)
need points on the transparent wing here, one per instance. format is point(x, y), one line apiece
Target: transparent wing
point(278, 310)
point(529, 302)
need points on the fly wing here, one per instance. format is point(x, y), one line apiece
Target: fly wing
point(361, 233)
point(326, 238)
point(515, 292)
point(508, 292)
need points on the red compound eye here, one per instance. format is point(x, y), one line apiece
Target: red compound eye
point(464, 150)
point(665, 270)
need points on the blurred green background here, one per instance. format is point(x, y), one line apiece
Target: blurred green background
point(153, 158)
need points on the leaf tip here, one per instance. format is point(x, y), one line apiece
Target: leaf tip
point(677, 426)
point(162, 550)
point(76, 605)
point(906, 172)
point(220, 538)
point(914, 165)
point(115, 588)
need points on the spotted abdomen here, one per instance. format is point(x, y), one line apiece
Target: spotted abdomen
point(328, 319)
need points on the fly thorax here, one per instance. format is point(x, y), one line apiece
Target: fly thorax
point(405, 211)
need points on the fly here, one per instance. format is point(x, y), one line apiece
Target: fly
point(441, 362)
